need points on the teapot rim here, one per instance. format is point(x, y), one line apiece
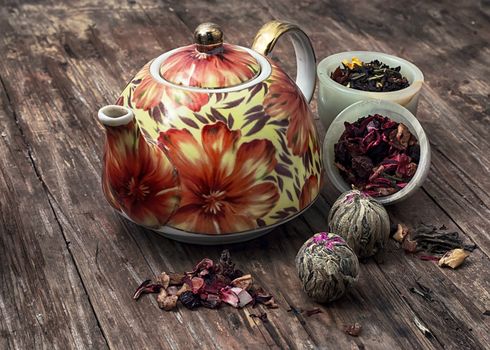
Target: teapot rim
point(265, 72)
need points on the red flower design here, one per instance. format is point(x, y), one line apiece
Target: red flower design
point(190, 67)
point(285, 101)
point(308, 192)
point(149, 93)
point(138, 178)
point(222, 183)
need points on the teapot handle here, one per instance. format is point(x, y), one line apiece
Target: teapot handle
point(267, 37)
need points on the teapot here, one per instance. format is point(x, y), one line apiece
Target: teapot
point(214, 142)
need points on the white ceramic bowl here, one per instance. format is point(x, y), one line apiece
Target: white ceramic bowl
point(334, 97)
point(386, 109)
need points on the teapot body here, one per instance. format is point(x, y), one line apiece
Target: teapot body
point(213, 162)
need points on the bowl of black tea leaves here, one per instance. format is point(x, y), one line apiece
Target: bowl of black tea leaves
point(349, 77)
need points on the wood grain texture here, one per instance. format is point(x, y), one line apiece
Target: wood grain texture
point(65, 255)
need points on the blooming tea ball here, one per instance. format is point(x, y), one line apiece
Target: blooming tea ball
point(327, 266)
point(360, 220)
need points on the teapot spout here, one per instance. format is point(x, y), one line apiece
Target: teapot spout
point(137, 179)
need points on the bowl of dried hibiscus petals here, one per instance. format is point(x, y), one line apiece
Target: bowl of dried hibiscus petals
point(379, 148)
point(349, 77)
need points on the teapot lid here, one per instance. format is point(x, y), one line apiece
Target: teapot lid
point(209, 63)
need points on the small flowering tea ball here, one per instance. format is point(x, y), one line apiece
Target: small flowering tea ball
point(327, 266)
point(361, 221)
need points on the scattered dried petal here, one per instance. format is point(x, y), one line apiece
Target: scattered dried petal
point(409, 246)
point(244, 282)
point(210, 301)
point(207, 285)
point(185, 288)
point(175, 278)
point(197, 283)
point(226, 267)
point(204, 264)
point(244, 298)
point(165, 301)
point(170, 302)
point(260, 296)
point(401, 233)
point(146, 288)
point(190, 300)
point(140, 289)
point(313, 312)
point(353, 329)
point(228, 296)
point(453, 258)
point(163, 279)
point(172, 290)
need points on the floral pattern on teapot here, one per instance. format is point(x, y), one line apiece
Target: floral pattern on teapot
point(244, 159)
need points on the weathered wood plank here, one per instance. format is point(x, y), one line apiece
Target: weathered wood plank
point(43, 302)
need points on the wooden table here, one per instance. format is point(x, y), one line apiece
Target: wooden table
point(69, 264)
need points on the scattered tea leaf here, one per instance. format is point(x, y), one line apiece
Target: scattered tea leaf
point(438, 240)
point(373, 76)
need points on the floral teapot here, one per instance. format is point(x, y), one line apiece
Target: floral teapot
point(213, 142)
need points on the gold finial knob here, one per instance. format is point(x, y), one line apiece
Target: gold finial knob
point(208, 36)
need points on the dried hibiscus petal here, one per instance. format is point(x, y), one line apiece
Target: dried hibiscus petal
point(226, 267)
point(197, 284)
point(214, 283)
point(228, 296)
point(377, 155)
point(146, 288)
point(244, 298)
point(204, 264)
point(362, 166)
